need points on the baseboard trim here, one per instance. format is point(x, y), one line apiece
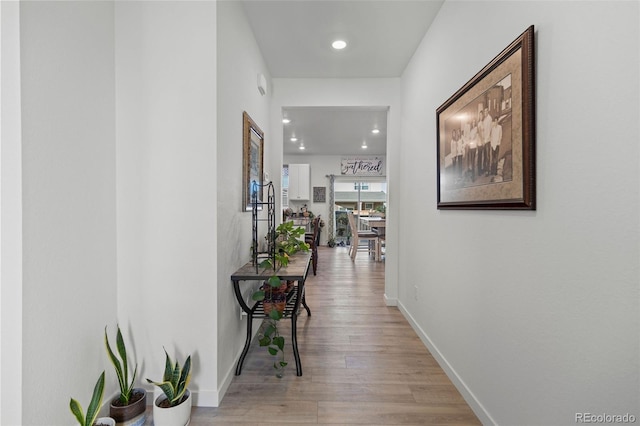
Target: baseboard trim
point(466, 393)
point(231, 371)
point(390, 301)
point(205, 398)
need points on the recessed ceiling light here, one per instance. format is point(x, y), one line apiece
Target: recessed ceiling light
point(301, 146)
point(339, 44)
point(294, 139)
point(364, 145)
point(375, 131)
point(286, 121)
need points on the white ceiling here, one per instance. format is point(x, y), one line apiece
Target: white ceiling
point(336, 130)
point(295, 38)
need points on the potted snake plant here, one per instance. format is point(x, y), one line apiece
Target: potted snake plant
point(91, 418)
point(173, 407)
point(130, 406)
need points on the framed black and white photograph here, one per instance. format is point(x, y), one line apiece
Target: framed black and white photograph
point(486, 135)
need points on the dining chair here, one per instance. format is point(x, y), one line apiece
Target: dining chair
point(370, 237)
point(313, 239)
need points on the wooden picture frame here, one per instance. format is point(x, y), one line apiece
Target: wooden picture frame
point(495, 168)
point(252, 160)
point(319, 194)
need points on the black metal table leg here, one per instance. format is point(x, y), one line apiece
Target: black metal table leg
point(247, 345)
point(294, 343)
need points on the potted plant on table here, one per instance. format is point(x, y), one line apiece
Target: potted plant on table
point(173, 408)
point(273, 292)
point(91, 418)
point(128, 408)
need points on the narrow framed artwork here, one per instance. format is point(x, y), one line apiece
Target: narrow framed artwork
point(319, 194)
point(486, 135)
point(252, 160)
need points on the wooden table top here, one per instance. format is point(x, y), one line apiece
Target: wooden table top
point(296, 269)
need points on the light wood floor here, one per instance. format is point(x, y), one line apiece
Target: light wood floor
point(361, 362)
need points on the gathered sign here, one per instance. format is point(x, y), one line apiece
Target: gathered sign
point(362, 166)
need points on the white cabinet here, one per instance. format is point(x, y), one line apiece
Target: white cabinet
point(299, 182)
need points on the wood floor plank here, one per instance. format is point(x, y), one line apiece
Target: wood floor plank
point(394, 413)
point(361, 361)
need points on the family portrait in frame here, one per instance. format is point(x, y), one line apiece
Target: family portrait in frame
point(486, 135)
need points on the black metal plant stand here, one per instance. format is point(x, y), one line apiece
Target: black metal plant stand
point(258, 204)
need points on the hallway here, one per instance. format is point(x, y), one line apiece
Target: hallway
point(361, 362)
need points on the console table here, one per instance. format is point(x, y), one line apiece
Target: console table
point(296, 270)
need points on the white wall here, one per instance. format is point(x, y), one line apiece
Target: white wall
point(352, 92)
point(239, 63)
point(166, 182)
point(534, 314)
point(68, 194)
point(10, 218)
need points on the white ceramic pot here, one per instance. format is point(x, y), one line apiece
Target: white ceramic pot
point(105, 421)
point(180, 415)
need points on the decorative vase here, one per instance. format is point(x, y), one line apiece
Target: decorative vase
point(178, 415)
point(133, 414)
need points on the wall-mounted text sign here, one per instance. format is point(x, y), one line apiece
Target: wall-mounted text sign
point(363, 166)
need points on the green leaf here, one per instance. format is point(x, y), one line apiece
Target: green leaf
point(133, 380)
point(283, 364)
point(275, 315)
point(116, 363)
point(76, 409)
point(168, 368)
point(274, 281)
point(122, 350)
point(265, 341)
point(272, 350)
point(266, 263)
point(96, 400)
point(258, 295)
point(175, 376)
point(166, 387)
point(185, 377)
point(279, 342)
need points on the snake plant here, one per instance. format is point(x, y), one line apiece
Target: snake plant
point(175, 380)
point(94, 405)
point(121, 366)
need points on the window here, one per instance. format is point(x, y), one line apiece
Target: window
point(368, 206)
point(363, 186)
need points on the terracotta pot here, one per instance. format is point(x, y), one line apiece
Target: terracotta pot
point(179, 415)
point(132, 414)
point(290, 285)
point(278, 303)
point(275, 290)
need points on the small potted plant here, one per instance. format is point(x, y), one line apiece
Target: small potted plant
point(130, 406)
point(173, 408)
point(91, 418)
point(272, 293)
